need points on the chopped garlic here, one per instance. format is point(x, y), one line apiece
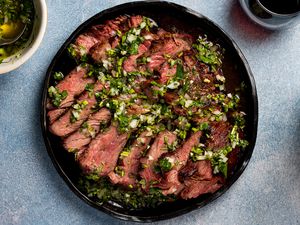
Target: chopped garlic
point(134, 123)
point(220, 78)
point(173, 85)
point(171, 160)
point(188, 103)
point(142, 25)
point(217, 112)
point(106, 64)
point(148, 37)
point(131, 38)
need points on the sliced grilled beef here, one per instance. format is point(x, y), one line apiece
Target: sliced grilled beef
point(102, 153)
point(195, 188)
point(54, 114)
point(171, 97)
point(130, 164)
point(179, 158)
point(98, 34)
point(167, 72)
point(202, 80)
point(170, 46)
point(84, 43)
point(84, 135)
point(153, 79)
point(98, 51)
point(135, 21)
point(74, 84)
point(156, 150)
point(65, 125)
point(156, 60)
point(200, 170)
point(119, 23)
point(198, 179)
point(219, 135)
point(167, 46)
point(189, 60)
point(130, 64)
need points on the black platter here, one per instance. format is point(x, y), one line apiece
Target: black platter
point(236, 69)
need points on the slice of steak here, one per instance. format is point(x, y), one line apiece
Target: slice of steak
point(179, 158)
point(120, 23)
point(170, 46)
point(167, 72)
point(195, 188)
point(135, 21)
point(158, 147)
point(130, 164)
point(83, 136)
point(54, 114)
point(65, 125)
point(167, 46)
point(189, 60)
point(130, 64)
point(219, 135)
point(98, 34)
point(83, 43)
point(156, 60)
point(198, 179)
point(200, 170)
point(98, 51)
point(102, 154)
point(74, 84)
point(171, 97)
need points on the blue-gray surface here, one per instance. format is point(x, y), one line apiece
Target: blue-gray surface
point(268, 192)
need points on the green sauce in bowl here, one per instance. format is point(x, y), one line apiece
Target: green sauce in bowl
point(14, 14)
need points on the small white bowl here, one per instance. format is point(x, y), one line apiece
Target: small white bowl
point(39, 28)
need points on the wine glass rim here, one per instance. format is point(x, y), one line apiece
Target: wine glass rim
point(277, 14)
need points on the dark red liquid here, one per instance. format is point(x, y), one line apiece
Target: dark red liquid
point(281, 6)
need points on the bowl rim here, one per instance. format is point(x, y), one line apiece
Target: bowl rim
point(182, 211)
point(29, 50)
point(282, 22)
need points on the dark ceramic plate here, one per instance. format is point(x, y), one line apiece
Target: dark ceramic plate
point(168, 15)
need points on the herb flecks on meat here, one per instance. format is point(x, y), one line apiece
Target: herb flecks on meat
point(153, 117)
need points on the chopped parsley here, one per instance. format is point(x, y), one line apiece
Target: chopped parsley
point(56, 96)
point(164, 165)
point(58, 76)
point(208, 53)
point(102, 190)
point(77, 108)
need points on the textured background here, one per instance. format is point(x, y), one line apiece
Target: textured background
point(268, 192)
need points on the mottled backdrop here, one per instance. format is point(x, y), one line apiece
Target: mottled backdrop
point(268, 192)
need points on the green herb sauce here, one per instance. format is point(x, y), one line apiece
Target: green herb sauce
point(14, 14)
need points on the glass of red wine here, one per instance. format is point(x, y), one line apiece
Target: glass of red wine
point(272, 14)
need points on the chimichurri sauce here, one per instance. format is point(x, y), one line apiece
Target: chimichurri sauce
point(14, 14)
